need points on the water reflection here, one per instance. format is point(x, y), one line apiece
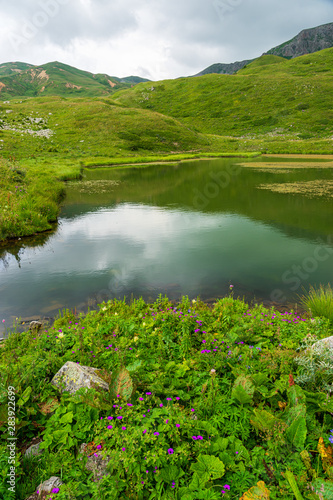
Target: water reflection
point(145, 235)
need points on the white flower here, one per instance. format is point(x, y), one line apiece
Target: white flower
point(116, 314)
point(193, 301)
point(143, 324)
point(212, 370)
point(61, 335)
point(136, 339)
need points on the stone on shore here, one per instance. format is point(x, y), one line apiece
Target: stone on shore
point(71, 377)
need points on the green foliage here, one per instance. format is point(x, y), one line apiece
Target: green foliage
point(281, 84)
point(296, 433)
point(70, 424)
point(319, 302)
point(206, 468)
point(291, 479)
point(323, 488)
point(315, 370)
point(189, 422)
point(122, 384)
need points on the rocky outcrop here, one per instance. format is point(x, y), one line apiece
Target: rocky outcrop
point(306, 42)
point(225, 69)
point(71, 377)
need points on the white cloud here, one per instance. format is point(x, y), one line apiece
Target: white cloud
point(163, 39)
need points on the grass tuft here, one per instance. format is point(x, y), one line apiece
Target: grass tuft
point(319, 301)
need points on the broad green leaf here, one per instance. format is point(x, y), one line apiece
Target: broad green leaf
point(134, 366)
point(294, 413)
point(122, 384)
point(246, 382)
point(24, 397)
point(197, 482)
point(296, 433)
point(259, 379)
point(296, 395)
point(208, 467)
point(292, 481)
point(221, 444)
point(171, 473)
point(263, 420)
point(227, 459)
point(241, 395)
point(67, 418)
point(258, 492)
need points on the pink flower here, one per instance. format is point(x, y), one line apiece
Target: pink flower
point(110, 427)
point(123, 449)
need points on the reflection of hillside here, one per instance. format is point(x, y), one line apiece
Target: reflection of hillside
point(182, 185)
point(16, 248)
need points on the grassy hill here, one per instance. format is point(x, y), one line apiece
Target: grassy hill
point(272, 97)
point(24, 80)
point(56, 127)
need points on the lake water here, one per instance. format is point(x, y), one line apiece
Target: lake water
point(191, 228)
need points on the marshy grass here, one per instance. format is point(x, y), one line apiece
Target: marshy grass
point(319, 301)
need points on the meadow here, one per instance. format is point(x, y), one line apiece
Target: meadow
point(272, 106)
point(203, 403)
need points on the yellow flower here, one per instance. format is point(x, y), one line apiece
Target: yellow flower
point(136, 339)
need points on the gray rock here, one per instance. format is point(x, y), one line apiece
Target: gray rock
point(35, 325)
point(96, 463)
point(47, 486)
point(72, 377)
point(33, 450)
point(324, 343)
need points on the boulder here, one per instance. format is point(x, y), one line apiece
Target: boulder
point(49, 485)
point(33, 450)
point(324, 343)
point(35, 325)
point(96, 463)
point(71, 377)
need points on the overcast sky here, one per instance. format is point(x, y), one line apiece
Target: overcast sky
point(156, 39)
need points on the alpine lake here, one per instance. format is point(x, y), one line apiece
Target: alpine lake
point(263, 225)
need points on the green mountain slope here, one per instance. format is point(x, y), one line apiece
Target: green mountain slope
point(53, 127)
point(287, 98)
point(24, 80)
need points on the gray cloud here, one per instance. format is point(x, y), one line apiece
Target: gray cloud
point(168, 38)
